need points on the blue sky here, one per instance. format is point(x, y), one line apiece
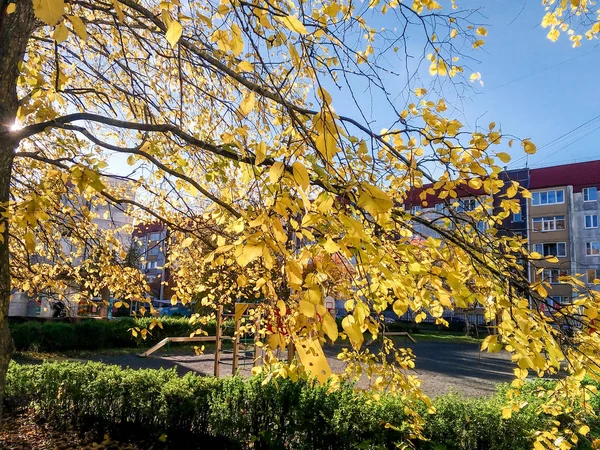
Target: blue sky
point(533, 88)
point(536, 88)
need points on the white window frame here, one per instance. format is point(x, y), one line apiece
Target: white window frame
point(589, 248)
point(471, 202)
point(586, 193)
point(548, 275)
point(517, 217)
point(591, 216)
point(538, 194)
point(548, 223)
point(415, 209)
point(540, 246)
point(150, 265)
point(587, 275)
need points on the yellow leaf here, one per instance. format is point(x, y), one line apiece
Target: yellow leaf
point(78, 27)
point(61, 33)
point(301, 175)
point(583, 430)
point(11, 8)
point(506, 413)
point(553, 35)
point(504, 157)
point(330, 326)
point(245, 66)
point(118, 10)
point(49, 11)
point(374, 200)
point(248, 253)
point(30, 241)
point(293, 23)
point(261, 153)
point(276, 171)
point(453, 33)
point(481, 31)
point(512, 190)
point(247, 104)
point(307, 308)
point(131, 160)
point(478, 43)
point(187, 242)
point(163, 438)
point(281, 307)
point(174, 33)
point(420, 92)
point(352, 329)
point(529, 147)
point(331, 247)
point(475, 183)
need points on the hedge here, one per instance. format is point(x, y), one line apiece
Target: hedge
point(96, 334)
point(233, 412)
point(248, 413)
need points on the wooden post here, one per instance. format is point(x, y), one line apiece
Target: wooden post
point(256, 338)
point(290, 351)
point(236, 346)
point(218, 340)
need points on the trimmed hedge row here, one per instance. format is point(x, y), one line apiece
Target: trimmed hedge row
point(232, 412)
point(238, 413)
point(96, 334)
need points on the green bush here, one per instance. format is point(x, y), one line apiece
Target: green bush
point(248, 413)
point(96, 334)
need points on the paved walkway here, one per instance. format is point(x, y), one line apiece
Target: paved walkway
point(443, 366)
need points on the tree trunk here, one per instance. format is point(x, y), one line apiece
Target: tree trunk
point(15, 31)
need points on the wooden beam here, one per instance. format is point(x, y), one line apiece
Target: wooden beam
point(165, 341)
point(218, 338)
point(236, 346)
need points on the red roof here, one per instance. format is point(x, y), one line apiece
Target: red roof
point(578, 175)
point(413, 196)
point(143, 228)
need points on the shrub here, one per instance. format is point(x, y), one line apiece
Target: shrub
point(97, 334)
point(249, 413)
point(253, 414)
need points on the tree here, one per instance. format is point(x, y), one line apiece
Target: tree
point(225, 113)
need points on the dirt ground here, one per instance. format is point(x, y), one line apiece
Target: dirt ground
point(443, 366)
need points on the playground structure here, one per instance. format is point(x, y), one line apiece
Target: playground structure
point(219, 337)
point(307, 348)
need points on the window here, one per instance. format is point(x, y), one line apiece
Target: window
point(154, 236)
point(153, 250)
point(517, 217)
point(468, 204)
point(551, 275)
point(415, 210)
point(556, 301)
point(482, 225)
point(591, 221)
point(439, 207)
point(554, 249)
point(549, 223)
point(592, 248)
point(548, 197)
point(590, 194)
point(593, 274)
point(151, 265)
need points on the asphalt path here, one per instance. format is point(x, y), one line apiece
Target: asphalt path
point(442, 366)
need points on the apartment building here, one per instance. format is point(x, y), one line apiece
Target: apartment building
point(561, 219)
point(151, 249)
point(564, 212)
